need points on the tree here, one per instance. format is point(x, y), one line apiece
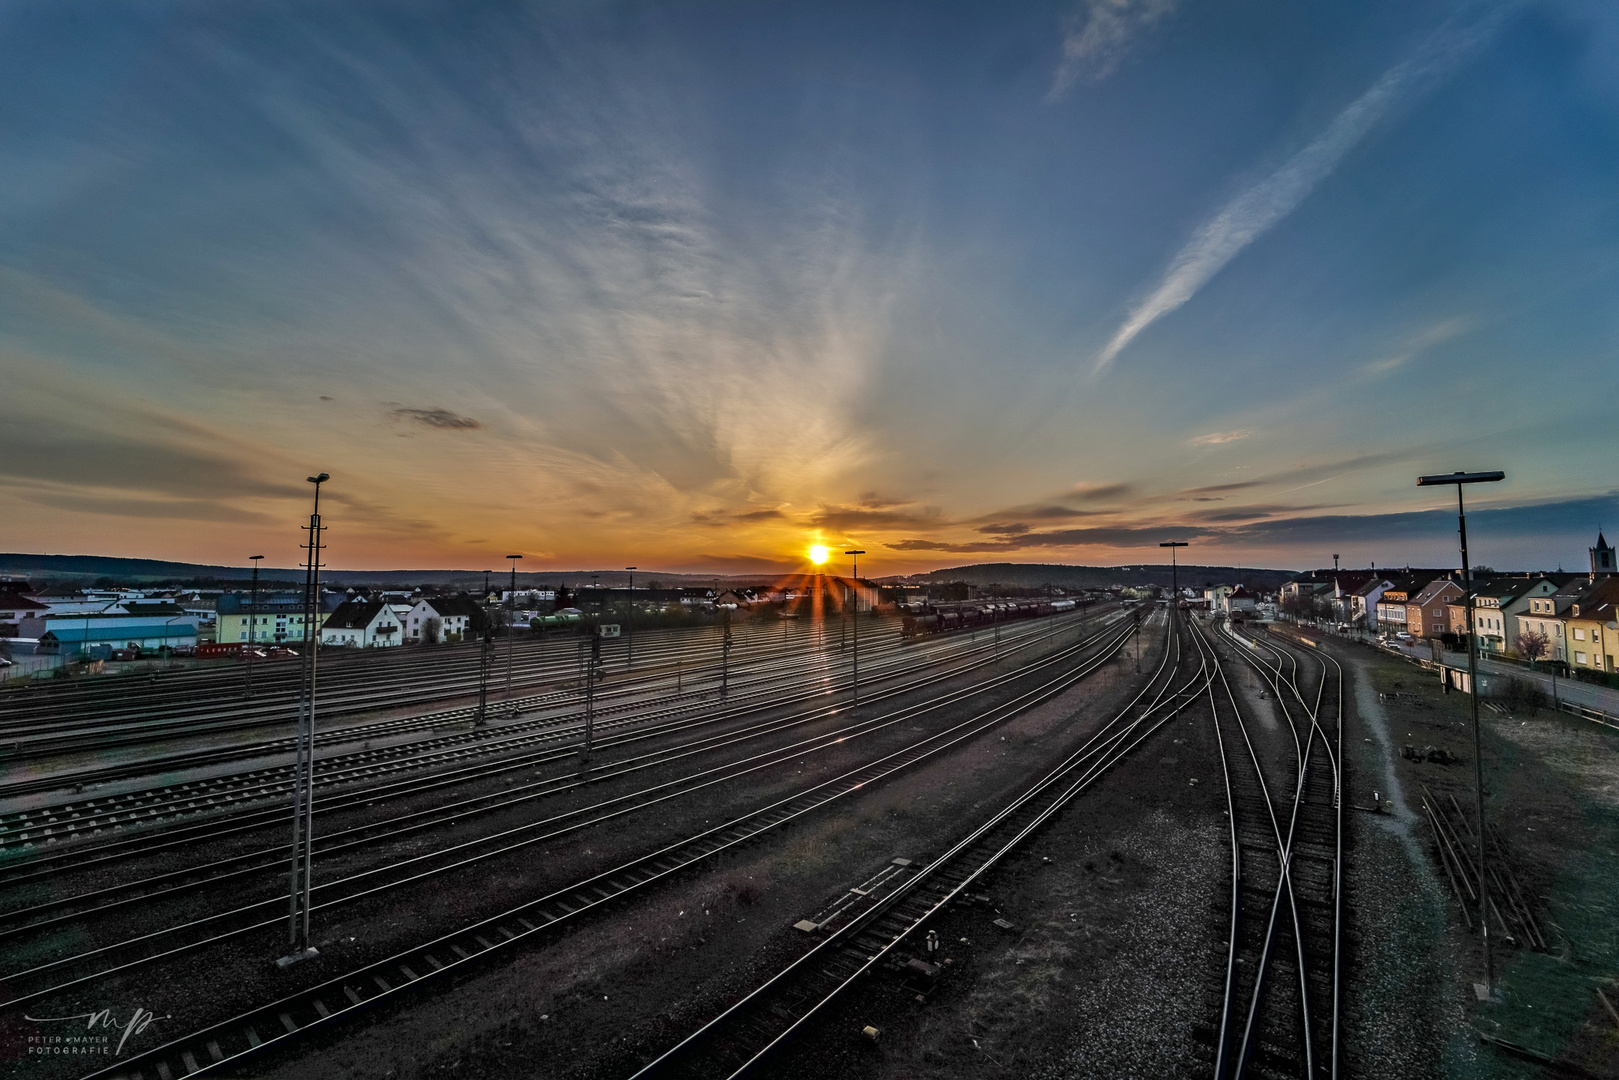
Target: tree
point(432, 626)
point(1532, 645)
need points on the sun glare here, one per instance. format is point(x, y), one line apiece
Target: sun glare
point(818, 554)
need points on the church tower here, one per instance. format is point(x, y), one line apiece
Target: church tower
point(1601, 558)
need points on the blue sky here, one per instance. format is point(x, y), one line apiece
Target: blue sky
point(698, 285)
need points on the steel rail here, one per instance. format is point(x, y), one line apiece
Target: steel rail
point(611, 809)
point(57, 910)
point(35, 741)
point(321, 1006)
point(1286, 677)
point(675, 718)
point(799, 993)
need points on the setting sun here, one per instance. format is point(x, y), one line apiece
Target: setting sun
point(818, 554)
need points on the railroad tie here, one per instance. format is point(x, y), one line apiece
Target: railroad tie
point(289, 1023)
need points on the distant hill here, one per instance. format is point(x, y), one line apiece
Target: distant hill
point(86, 569)
point(1034, 575)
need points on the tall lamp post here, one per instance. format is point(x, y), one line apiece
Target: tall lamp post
point(252, 619)
point(511, 636)
point(629, 623)
point(303, 813)
point(856, 553)
point(1174, 573)
point(1460, 478)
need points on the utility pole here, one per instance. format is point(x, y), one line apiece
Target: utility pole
point(592, 673)
point(1174, 578)
point(303, 805)
point(485, 653)
point(856, 553)
point(511, 635)
point(725, 654)
point(252, 618)
point(629, 624)
point(1460, 478)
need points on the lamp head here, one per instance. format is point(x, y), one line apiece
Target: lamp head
point(321, 479)
point(854, 552)
point(1460, 478)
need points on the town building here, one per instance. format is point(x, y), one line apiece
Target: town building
point(21, 616)
point(449, 619)
point(362, 624)
point(1238, 601)
point(1602, 562)
point(94, 634)
point(278, 618)
point(1427, 614)
point(1593, 633)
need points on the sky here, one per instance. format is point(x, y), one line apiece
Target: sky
point(694, 286)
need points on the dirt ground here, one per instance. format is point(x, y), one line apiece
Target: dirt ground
point(1552, 790)
point(1113, 963)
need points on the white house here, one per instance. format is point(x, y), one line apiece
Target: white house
point(362, 624)
point(1238, 600)
point(457, 619)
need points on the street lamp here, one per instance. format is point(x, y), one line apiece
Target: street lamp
point(1174, 579)
point(252, 618)
point(629, 622)
point(1460, 478)
point(856, 553)
point(511, 637)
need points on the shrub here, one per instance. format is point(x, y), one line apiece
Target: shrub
point(1524, 695)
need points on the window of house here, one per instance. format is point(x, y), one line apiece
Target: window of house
point(1579, 633)
point(1579, 658)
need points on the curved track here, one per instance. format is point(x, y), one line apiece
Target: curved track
point(1282, 994)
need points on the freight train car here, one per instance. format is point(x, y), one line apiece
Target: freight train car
point(945, 618)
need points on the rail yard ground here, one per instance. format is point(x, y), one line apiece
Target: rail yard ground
point(1098, 948)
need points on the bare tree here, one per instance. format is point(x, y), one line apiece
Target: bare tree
point(1532, 645)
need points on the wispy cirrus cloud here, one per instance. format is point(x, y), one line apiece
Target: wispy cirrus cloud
point(1098, 34)
point(1255, 211)
point(1216, 438)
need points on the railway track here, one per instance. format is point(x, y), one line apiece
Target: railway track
point(786, 1005)
point(66, 909)
point(361, 684)
point(1280, 1002)
point(182, 691)
point(227, 1044)
point(24, 833)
